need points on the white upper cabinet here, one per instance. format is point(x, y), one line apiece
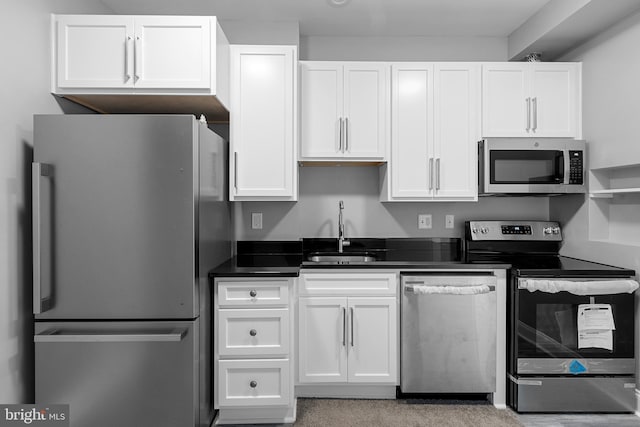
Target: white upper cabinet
point(522, 99)
point(263, 129)
point(94, 51)
point(435, 128)
point(96, 56)
point(344, 110)
point(172, 52)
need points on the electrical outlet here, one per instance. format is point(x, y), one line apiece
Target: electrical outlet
point(424, 221)
point(448, 221)
point(256, 220)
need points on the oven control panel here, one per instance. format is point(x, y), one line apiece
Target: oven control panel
point(514, 230)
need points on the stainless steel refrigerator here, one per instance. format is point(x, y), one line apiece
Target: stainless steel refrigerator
point(129, 215)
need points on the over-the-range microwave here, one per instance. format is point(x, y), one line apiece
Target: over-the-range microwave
point(531, 166)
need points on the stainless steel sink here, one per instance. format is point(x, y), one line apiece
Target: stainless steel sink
point(344, 258)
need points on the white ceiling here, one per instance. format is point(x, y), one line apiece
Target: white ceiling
point(488, 18)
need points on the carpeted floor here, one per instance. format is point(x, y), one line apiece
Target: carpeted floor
point(399, 413)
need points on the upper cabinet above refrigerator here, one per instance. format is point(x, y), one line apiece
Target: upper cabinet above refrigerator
point(133, 64)
point(524, 99)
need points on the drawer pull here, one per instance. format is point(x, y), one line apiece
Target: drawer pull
point(253, 293)
point(253, 384)
point(253, 332)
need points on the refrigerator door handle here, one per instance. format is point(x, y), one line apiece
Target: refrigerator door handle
point(58, 336)
point(38, 170)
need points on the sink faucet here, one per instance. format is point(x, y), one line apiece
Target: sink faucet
point(341, 241)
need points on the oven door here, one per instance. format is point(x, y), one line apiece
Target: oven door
point(550, 339)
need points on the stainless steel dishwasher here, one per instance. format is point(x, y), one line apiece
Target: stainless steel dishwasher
point(448, 333)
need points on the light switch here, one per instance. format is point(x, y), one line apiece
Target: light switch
point(448, 221)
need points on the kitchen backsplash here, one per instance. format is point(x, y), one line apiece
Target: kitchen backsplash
point(316, 212)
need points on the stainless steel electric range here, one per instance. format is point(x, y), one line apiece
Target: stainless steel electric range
point(571, 323)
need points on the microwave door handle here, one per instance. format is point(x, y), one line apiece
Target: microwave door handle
point(567, 166)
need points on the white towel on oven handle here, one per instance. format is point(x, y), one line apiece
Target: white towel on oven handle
point(589, 287)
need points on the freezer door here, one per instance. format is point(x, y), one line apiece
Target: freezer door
point(114, 200)
point(133, 374)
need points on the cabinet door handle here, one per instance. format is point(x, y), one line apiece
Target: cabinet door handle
point(253, 293)
point(346, 134)
point(344, 326)
point(528, 101)
point(438, 173)
point(535, 113)
point(137, 69)
point(351, 314)
point(253, 332)
point(340, 135)
point(430, 173)
point(127, 74)
point(253, 384)
point(235, 170)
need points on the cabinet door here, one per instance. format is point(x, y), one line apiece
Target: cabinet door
point(172, 52)
point(457, 130)
point(322, 340)
point(365, 110)
point(506, 101)
point(321, 86)
point(373, 340)
point(412, 157)
point(94, 51)
point(555, 100)
point(263, 163)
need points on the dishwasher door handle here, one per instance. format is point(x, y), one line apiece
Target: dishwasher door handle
point(423, 289)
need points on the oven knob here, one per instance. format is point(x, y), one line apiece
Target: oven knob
point(484, 230)
point(547, 230)
point(474, 230)
point(556, 230)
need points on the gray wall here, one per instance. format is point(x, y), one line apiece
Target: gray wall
point(316, 212)
point(26, 91)
point(611, 126)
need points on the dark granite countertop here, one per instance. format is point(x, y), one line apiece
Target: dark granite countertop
point(287, 258)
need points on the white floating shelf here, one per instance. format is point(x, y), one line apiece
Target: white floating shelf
point(609, 193)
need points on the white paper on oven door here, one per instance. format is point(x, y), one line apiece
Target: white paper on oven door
point(595, 326)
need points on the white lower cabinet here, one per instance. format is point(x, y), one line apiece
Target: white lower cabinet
point(253, 358)
point(350, 337)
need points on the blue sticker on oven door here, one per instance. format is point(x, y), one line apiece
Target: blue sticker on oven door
point(576, 367)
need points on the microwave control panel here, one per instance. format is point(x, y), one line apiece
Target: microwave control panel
point(576, 167)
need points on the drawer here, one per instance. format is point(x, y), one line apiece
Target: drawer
point(253, 332)
point(253, 293)
point(254, 383)
point(342, 283)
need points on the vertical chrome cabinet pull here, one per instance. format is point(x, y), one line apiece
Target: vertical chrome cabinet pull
point(38, 170)
point(127, 74)
point(535, 113)
point(340, 135)
point(346, 134)
point(137, 63)
point(528, 101)
point(430, 173)
point(344, 326)
point(235, 170)
point(438, 173)
point(351, 313)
